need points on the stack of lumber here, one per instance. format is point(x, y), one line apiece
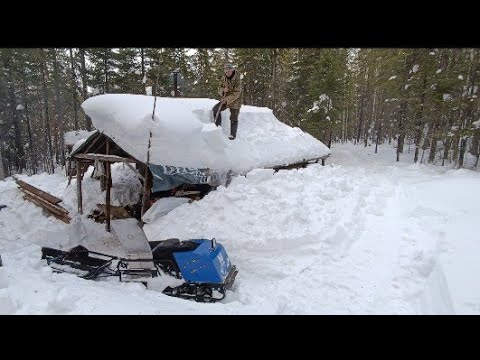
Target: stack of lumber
point(45, 200)
point(116, 212)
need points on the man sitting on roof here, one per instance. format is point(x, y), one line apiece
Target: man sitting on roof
point(231, 93)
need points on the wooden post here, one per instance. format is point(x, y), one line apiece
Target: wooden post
point(107, 201)
point(146, 191)
point(109, 183)
point(79, 187)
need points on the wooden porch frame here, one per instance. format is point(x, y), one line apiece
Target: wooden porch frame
point(107, 160)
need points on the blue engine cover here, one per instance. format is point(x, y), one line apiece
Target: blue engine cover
point(205, 264)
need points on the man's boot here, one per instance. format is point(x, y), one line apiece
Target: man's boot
point(233, 130)
point(218, 122)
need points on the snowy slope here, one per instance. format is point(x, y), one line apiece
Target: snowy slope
point(361, 235)
point(183, 133)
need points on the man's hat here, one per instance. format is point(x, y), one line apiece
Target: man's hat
point(229, 67)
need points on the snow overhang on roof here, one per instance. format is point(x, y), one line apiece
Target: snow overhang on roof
point(181, 133)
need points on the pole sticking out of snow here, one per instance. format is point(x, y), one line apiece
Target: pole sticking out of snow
point(155, 96)
point(145, 178)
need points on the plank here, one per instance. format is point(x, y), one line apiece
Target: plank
point(103, 157)
point(43, 194)
point(59, 215)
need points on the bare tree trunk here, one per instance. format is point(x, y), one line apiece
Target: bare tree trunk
point(2, 171)
point(54, 119)
point(59, 109)
point(433, 145)
point(27, 118)
point(88, 120)
point(418, 138)
point(474, 67)
point(456, 138)
point(48, 138)
point(419, 118)
point(379, 130)
point(401, 129)
point(463, 145)
point(55, 136)
point(475, 146)
point(16, 122)
point(142, 54)
point(374, 115)
point(369, 115)
point(360, 121)
point(74, 90)
point(378, 136)
point(403, 111)
point(446, 149)
point(274, 80)
point(361, 110)
point(106, 88)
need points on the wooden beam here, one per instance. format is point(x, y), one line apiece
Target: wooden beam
point(301, 164)
point(79, 188)
point(106, 158)
point(62, 216)
point(57, 208)
point(146, 192)
point(107, 200)
point(96, 149)
point(99, 135)
point(135, 171)
point(43, 194)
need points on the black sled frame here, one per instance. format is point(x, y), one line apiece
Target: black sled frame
point(91, 265)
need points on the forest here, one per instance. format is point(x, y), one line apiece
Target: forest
point(422, 101)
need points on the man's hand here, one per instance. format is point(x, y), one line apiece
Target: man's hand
point(225, 89)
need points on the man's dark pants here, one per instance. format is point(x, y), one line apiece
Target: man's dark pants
point(233, 117)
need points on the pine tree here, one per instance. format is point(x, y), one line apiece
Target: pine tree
point(11, 70)
point(48, 163)
point(84, 77)
point(327, 88)
point(129, 77)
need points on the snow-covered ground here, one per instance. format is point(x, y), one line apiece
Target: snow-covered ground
point(361, 235)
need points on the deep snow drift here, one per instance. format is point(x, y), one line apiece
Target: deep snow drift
point(183, 133)
point(361, 235)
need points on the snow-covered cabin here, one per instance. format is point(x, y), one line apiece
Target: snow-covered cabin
point(177, 139)
point(181, 133)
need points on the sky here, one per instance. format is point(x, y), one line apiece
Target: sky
point(360, 235)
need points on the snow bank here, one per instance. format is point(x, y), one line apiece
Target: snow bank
point(183, 133)
point(162, 207)
point(362, 235)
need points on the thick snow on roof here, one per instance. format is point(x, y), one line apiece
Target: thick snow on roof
point(183, 133)
point(72, 137)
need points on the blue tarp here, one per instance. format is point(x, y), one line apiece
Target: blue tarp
point(168, 177)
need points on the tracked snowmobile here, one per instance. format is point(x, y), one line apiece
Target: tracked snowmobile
point(202, 266)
